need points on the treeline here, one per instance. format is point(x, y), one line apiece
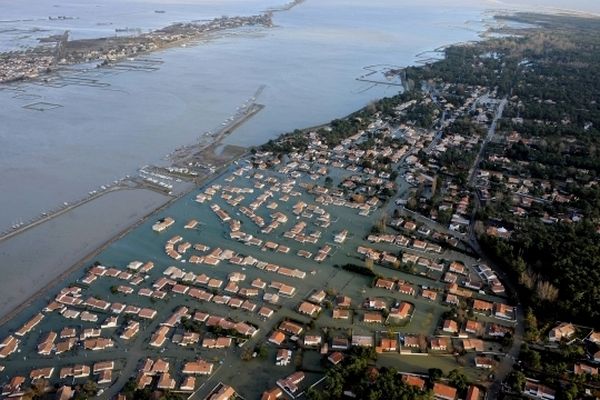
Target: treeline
point(131, 391)
point(557, 267)
point(551, 75)
point(556, 155)
point(339, 129)
point(287, 143)
point(357, 374)
point(359, 269)
point(478, 64)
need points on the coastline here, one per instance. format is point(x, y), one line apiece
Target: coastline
point(80, 262)
point(194, 106)
point(315, 169)
point(49, 266)
point(87, 258)
point(208, 148)
point(39, 62)
point(103, 50)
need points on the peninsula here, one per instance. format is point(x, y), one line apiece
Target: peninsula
point(59, 50)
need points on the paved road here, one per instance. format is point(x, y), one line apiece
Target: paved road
point(443, 122)
point(504, 367)
point(488, 137)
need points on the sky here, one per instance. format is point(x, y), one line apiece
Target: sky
point(591, 6)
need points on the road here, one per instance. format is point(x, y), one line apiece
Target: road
point(504, 367)
point(443, 122)
point(438, 136)
point(471, 176)
point(490, 134)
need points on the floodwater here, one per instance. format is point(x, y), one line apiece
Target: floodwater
point(88, 127)
point(41, 254)
point(143, 244)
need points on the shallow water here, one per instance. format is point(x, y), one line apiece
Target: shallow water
point(38, 256)
point(88, 127)
point(145, 245)
point(99, 125)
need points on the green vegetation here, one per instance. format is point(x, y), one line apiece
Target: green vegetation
point(191, 325)
point(544, 178)
point(422, 114)
point(293, 141)
point(357, 374)
point(131, 392)
point(550, 75)
point(557, 266)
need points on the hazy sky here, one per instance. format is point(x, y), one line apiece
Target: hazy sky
point(585, 6)
point(579, 5)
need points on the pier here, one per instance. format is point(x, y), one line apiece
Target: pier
point(184, 155)
point(47, 216)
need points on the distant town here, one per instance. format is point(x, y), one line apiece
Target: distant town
point(58, 50)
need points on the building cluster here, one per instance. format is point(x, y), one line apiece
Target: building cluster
point(248, 266)
point(17, 66)
point(32, 63)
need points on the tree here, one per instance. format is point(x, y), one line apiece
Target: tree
point(334, 383)
point(531, 357)
point(546, 291)
point(458, 379)
point(263, 352)
point(570, 392)
point(40, 387)
point(532, 333)
point(516, 380)
point(435, 374)
point(315, 394)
